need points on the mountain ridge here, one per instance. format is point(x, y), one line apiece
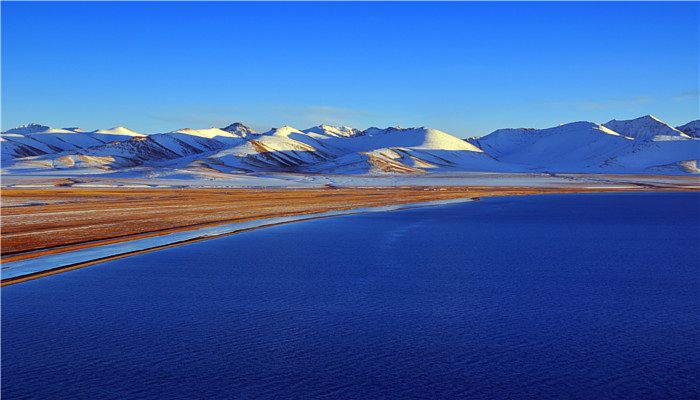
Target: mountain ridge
point(641, 145)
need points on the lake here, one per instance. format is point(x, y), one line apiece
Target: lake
point(556, 296)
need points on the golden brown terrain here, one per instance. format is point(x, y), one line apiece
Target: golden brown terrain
point(42, 221)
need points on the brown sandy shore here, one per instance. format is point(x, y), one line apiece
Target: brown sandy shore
point(37, 222)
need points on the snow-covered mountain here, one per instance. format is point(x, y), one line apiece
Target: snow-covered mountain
point(647, 127)
point(35, 140)
point(334, 131)
point(692, 128)
point(28, 129)
point(240, 129)
point(642, 145)
point(569, 147)
point(280, 149)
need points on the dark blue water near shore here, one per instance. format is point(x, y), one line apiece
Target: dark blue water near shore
point(585, 296)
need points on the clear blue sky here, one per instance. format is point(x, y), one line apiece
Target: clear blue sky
point(466, 68)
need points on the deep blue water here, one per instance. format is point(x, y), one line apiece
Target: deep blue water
point(578, 296)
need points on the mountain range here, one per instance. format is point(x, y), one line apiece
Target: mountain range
point(642, 145)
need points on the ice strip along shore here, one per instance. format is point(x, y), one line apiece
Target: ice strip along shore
point(12, 271)
point(55, 230)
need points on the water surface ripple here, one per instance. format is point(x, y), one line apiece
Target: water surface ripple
point(547, 297)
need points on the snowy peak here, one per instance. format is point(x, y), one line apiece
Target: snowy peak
point(437, 140)
point(239, 129)
point(647, 127)
point(32, 129)
point(334, 131)
point(542, 146)
point(692, 128)
point(28, 129)
point(208, 133)
point(582, 127)
point(117, 130)
point(379, 131)
point(417, 138)
point(642, 145)
point(283, 131)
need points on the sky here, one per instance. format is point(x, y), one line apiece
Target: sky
point(464, 68)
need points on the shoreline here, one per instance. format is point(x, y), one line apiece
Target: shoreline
point(38, 222)
point(95, 252)
point(229, 229)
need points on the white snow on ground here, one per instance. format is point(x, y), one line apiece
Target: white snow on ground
point(168, 177)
